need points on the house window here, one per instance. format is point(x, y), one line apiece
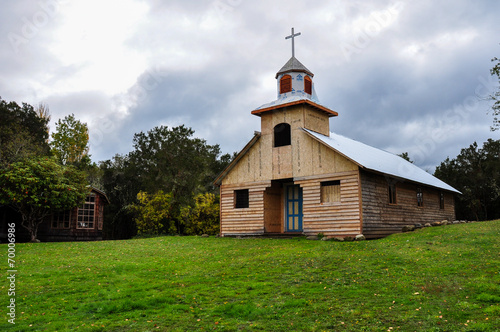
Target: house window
point(282, 135)
point(441, 200)
point(392, 194)
point(330, 191)
point(420, 197)
point(241, 199)
point(308, 85)
point(61, 219)
point(86, 213)
point(286, 84)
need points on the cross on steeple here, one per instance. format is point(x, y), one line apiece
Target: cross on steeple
point(293, 35)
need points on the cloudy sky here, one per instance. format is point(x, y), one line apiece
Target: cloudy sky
point(403, 75)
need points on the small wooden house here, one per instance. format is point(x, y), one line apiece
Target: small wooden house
point(295, 176)
point(82, 223)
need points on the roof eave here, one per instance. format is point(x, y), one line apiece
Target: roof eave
point(321, 108)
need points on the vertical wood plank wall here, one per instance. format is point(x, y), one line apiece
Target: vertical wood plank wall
point(381, 218)
point(332, 219)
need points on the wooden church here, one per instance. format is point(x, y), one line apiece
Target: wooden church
point(295, 176)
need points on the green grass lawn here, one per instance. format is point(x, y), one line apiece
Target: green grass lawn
point(434, 279)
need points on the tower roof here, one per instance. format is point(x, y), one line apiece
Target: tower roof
point(294, 65)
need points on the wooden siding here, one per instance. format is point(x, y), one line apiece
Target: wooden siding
point(332, 219)
point(247, 220)
point(381, 218)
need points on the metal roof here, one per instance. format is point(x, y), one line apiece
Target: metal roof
point(380, 161)
point(294, 65)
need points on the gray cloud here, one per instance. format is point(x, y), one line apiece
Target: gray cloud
point(402, 75)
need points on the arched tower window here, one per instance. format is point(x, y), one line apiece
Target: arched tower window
point(282, 135)
point(308, 85)
point(286, 84)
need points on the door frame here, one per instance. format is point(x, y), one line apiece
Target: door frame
point(298, 215)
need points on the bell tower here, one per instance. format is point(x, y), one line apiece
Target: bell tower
point(297, 105)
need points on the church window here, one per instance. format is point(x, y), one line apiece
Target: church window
point(282, 135)
point(420, 197)
point(330, 191)
point(392, 194)
point(308, 85)
point(241, 199)
point(286, 84)
point(441, 200)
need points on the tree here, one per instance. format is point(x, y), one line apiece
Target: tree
point(174, 161)
point(203, 218)
point(40, 186)
point(405, 156)
point(23, 134)
point(476, 173)
point(154, 213)
point(496, 96)
point(119, 181)
point(166, 159)
point(43, 112)
point(70, 141)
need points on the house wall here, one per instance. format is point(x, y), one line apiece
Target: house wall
point(243, 221)
point(305, 162)
point(332, 219)
point(304, 157)
point(73, 233)
point(381, 218)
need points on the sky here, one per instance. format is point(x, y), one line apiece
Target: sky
point(404, 76)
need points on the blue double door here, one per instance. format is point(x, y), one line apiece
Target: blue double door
point(293, 208)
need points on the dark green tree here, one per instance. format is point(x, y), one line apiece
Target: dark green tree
point(23, 134)
point(164, 159)
point(476, 173)
point(40, 186)
point(119, 181)
point(176, 162)
point(405, 156)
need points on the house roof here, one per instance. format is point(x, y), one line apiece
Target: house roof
point(100, 192)
point(379, 161)
point(294, 65)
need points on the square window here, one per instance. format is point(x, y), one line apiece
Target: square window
point(241, 199)
point(330, 191)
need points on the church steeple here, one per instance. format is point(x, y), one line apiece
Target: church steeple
point(294, 86)
point(294, 79)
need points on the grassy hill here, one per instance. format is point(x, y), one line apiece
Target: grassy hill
point(435, 279)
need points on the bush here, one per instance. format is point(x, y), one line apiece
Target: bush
point(203, 218)
point(154, 213)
